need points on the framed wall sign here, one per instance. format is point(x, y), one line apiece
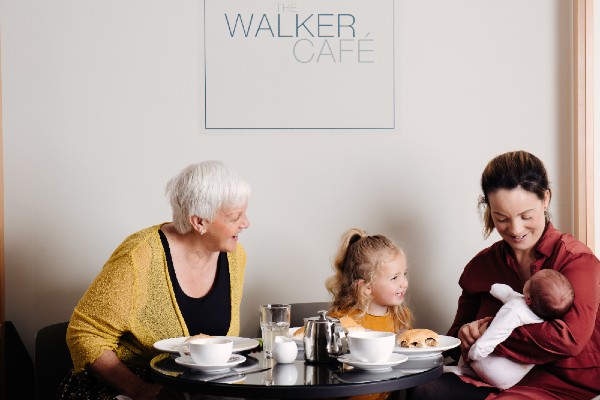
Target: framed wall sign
point(307, 64)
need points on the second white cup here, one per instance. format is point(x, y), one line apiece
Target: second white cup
point(371, 346)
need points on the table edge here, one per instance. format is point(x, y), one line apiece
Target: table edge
point(295, 392)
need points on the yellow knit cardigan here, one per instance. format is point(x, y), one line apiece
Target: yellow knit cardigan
point(131, 304)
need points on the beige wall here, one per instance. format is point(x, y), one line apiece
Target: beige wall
point(101, 105)
point(2, 279)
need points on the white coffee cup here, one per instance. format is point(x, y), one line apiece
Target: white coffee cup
point(371, 346)
point(207, 351)
point(284, 350)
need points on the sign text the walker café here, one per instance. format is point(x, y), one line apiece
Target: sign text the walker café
point(309, 64)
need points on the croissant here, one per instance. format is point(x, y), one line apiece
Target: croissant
point(299, 332)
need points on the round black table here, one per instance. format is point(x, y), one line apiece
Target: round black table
point(296, 380)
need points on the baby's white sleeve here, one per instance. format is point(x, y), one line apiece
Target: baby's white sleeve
point(500, 328)
point(511, 315)
point(503, 292)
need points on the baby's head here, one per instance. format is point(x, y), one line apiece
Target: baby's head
point(549, 294)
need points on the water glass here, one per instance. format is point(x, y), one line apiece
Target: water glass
point(274, 321)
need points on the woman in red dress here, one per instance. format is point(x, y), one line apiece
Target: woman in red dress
point(566, 351)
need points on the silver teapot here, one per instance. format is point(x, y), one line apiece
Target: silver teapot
point(324, 339)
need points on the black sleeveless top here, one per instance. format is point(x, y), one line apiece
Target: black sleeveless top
point(210, 314)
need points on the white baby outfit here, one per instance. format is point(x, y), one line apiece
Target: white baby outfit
point(498, 371)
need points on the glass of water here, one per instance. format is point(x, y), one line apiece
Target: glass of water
point(274, 321)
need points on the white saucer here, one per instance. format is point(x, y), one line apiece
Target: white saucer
point(395, 359)
point(187, 361)
point(171, 345)
point(444, 343)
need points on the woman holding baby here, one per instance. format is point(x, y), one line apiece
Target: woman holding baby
point(566, 351)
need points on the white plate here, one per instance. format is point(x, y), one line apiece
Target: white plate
point(395, 359)
point(444, 343)
point(298, 339)
point(172, 345)
point(187, 361)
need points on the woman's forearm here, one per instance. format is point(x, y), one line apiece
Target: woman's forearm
point(113, 372)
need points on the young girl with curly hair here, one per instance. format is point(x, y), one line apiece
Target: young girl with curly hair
point(370, 284)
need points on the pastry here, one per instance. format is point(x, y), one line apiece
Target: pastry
point(417, 338)
point(299, 333)
point(198, 336)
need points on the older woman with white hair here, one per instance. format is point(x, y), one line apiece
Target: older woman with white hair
point(173, 279)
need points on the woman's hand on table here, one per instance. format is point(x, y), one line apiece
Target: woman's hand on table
point(470, 332)
point(111, 370)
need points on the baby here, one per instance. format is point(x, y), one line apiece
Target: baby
point(546, 295)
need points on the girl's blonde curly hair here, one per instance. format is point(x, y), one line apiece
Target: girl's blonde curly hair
point(358, 259)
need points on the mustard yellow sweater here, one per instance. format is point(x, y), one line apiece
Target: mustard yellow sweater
point(131, 304)
point(383, 323)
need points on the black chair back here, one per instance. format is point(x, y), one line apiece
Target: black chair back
point(299, 311)
point(52, 360)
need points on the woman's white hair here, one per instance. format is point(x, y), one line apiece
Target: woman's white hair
point(203, 189)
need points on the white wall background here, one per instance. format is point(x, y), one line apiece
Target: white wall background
point(102, 105)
